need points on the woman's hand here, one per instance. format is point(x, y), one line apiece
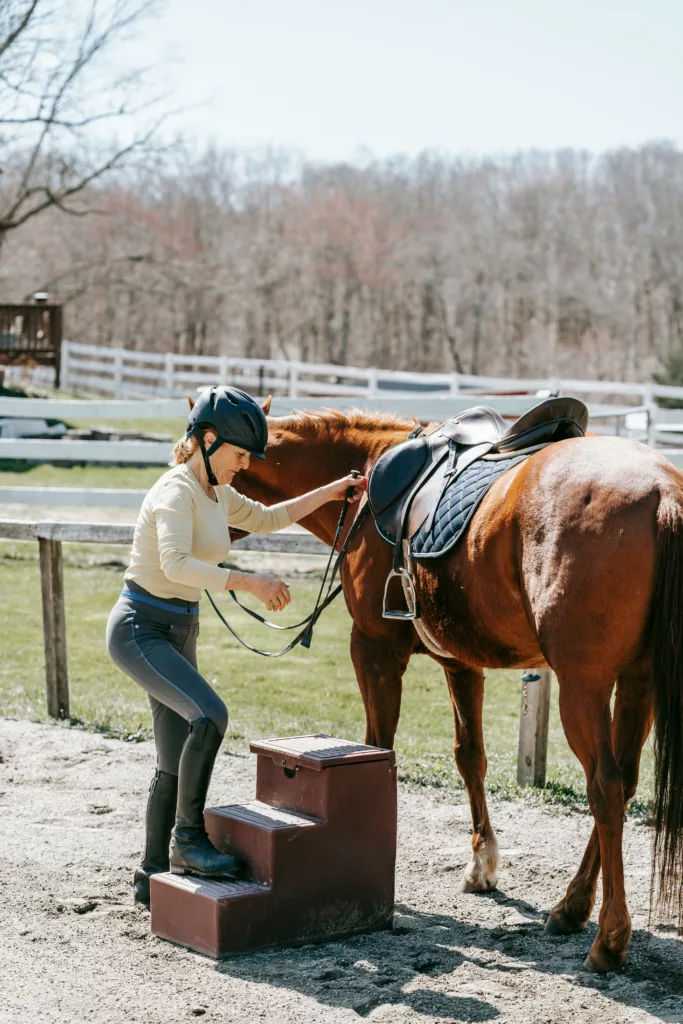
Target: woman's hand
point(272, 591)
point(338, 488)
point(299, 508)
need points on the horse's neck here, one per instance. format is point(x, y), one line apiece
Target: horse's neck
point(297, 467)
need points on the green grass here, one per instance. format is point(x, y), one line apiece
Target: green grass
point(305, 691)
point(14, 473)
point(23, 474)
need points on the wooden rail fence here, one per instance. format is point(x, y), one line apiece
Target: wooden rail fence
point(533, 733)
point(435, 408)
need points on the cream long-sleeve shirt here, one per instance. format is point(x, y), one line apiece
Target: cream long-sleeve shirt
point(181, 534)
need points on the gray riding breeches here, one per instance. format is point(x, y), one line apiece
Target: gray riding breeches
point(154, 641)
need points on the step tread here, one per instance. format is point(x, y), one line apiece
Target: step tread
point(264, 816)
point(320, 751)
point(212, 887)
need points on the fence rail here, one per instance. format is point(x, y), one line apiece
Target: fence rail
point(533, 732)
point(123, 373)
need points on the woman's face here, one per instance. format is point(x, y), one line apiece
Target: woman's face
point(228, 460)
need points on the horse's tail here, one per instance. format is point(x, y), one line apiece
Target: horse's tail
point(667, 671)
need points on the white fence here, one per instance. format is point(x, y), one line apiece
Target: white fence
point(129, 374)
point(126, 374)
point(435, 408)
point(122, 373)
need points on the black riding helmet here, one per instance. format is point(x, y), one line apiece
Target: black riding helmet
point(234, 416)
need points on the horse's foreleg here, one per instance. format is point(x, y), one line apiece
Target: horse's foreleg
point(632, 723)
point(380, 664)
point(467, 696)
point(585, 713)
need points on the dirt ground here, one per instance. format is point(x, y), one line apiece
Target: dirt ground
point(74, 948)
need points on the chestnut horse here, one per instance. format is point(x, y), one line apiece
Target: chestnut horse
point(573, 561)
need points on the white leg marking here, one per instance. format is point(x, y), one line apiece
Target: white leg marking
point(481, 874)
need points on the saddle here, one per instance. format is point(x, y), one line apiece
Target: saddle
point(409, 481)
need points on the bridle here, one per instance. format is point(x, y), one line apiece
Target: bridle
point(306, 635)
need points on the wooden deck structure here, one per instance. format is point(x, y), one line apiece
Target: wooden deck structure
point(31, 332)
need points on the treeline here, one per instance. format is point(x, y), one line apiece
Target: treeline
point(543, 264)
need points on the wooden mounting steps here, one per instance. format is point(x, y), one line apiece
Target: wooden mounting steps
point(320, 842)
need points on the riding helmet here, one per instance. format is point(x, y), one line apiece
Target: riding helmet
point(235, 417)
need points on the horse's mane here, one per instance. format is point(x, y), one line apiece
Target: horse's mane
point(332, 422)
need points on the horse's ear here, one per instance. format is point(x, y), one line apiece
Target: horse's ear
point(265, 404)
point(191, 402)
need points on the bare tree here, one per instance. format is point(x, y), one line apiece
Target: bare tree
point(68, 114)
point(559, 264)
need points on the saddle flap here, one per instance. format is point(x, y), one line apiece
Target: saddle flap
point(394, 472)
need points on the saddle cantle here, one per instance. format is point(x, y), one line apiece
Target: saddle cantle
point(410, 483)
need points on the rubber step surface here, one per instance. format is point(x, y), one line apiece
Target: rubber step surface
point(269, 839)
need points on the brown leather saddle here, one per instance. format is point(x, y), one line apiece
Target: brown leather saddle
point(408, 481)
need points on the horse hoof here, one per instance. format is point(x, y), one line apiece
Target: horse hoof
point(561, 926)
point(471, 885)
point(606, 963)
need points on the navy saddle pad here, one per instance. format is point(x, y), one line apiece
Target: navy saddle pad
point(458, 504)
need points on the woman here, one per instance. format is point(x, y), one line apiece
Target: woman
point(180, 537)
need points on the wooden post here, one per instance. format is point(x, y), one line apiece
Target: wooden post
point(649, 401)
point(54, 628)
point(118, 373)
point(56, 341)
point(64, 381)
point(533, 728)
point(224, 370)
point(169, 368)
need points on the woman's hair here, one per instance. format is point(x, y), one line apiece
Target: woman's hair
point(183, 450)
point(185, 447)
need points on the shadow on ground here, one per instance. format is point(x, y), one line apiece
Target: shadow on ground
point(397, 968)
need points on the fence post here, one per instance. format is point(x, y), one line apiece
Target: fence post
point(455, 384)
point(118, 373)
point(293, 381)
point(372, 383)
point(169, 367)
point(54, 627)
point(532, 755)
point(64, 367)
point(224, 370)
point(649, 401)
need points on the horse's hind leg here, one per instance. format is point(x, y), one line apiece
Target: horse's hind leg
point(467, 696)
point(584, 708)
point(632, 723)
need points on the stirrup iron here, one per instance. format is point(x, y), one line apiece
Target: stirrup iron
point(409, 593)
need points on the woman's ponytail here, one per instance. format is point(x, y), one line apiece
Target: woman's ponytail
point(183, 450)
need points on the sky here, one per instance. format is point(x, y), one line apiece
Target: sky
point(349, 79)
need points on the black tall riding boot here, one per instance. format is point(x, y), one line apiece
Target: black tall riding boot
point(191, 849)
point(158, 824)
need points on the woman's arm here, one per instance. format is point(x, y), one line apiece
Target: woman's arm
point(254, 517)
point(299, 508)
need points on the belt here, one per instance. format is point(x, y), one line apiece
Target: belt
point(158, 602)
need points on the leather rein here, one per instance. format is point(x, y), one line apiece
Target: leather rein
point(306, 635)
